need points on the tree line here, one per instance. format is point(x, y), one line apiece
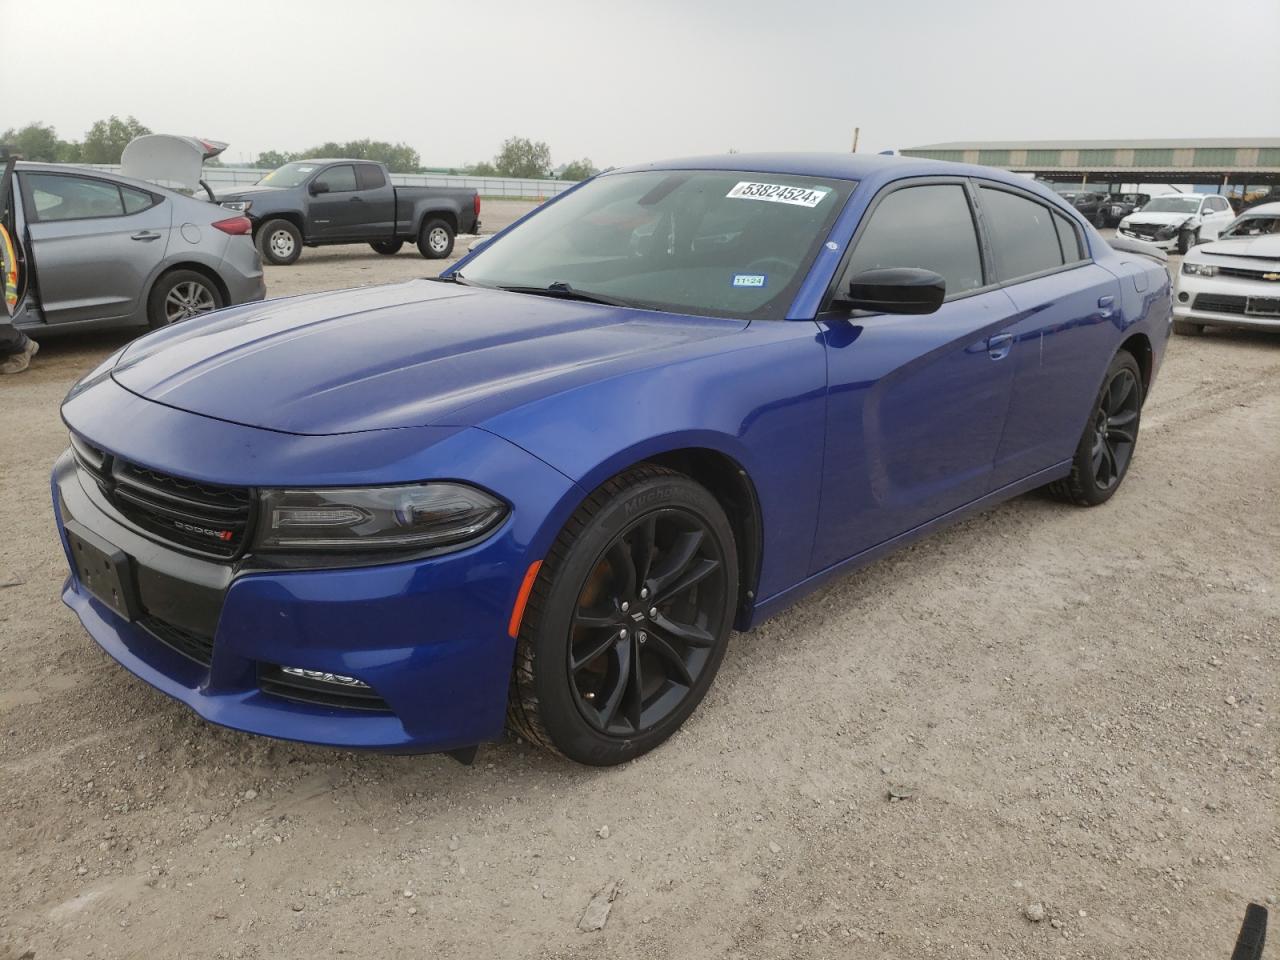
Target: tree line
point(106, 139)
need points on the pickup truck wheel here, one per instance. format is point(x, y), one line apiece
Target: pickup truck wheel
point(279, 242)
point(181, 295)
point(435, 241)
point(387, 247)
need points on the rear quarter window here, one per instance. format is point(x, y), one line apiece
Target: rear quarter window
point(370, 177)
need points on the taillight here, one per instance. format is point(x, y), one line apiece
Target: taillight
point(236, 226)
point(475, 203)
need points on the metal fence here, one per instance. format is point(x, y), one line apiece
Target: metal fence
point(486, 186)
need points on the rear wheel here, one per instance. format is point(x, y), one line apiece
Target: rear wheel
point(387, 247)
point(279, 242)
point(1186, 328)
point(628, 620)
point(435, 240)
point(1110, 437)
point(181, 295)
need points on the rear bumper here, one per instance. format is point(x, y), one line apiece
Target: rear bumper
point(242, 272)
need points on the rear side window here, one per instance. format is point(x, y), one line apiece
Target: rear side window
point(370, 177)
point(58, 197)
point(929, 226)
point(1023, 235)
point(136, 200)
point(339, 179)
point(1068, 238)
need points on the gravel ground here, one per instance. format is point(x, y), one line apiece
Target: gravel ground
point(1079, 704)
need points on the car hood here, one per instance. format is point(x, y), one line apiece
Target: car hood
point(1159, 219)
point(410, 354)
point(1264, 248)
point(243, 193)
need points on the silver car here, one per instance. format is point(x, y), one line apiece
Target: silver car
point(97, 249)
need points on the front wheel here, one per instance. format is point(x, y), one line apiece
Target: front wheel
point(387, 248)
point(181, 295)
point(1110, 437)
point(628, 619)
point(279, 242)
point(1188, 239)
point(435, 240)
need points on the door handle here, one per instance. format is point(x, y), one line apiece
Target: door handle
point(145, 235)
point(999, 345)
point(1105, 303)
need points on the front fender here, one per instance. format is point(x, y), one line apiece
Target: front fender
point(763, 406)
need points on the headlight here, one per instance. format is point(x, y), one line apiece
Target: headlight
point(1199, 269)
point(239, 205)
point(1125, 224)
point(363, 519)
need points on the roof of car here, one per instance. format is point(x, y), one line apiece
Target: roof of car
point(844, 166)
point(1267, 209)
point(30, 166)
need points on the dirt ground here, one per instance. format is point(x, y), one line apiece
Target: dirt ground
point(1082, 701)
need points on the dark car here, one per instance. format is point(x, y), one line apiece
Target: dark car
point(323, 202)
point(542, 490)
point(1092, 205)
point(1120, 205)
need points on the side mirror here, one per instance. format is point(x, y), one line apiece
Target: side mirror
point(318, 187)
point(896, 290)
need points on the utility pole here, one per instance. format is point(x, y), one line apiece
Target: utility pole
point(856, 131)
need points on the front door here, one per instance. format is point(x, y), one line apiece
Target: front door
point(94, 243)
point(916, 404)
point(334, 205)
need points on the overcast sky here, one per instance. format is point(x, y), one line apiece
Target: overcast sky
point(623, 83)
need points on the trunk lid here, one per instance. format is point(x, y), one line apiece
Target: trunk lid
point(169, 161)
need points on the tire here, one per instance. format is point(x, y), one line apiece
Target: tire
point(387, 248)
point(598, 559)
point(180, 295)
point(279, 242)
point(1186, 328)
point(435, 239)
point(1188, 239)
point(1110, 437)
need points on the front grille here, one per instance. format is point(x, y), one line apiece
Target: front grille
point(275, 681)
point(1266, 276)
point(193, 646)
point(201, 517)
point(1219, 303)
point(1144, 232)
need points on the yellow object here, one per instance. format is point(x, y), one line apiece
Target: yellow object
point(9, 265)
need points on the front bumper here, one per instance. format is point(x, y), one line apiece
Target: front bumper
point(1224, 301)
point(1168, 244)
point(429, 636)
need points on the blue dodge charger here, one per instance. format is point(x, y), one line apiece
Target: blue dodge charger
point(539, 491)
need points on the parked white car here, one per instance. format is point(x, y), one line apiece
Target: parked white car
point(1178, 221)
point(1235, 281)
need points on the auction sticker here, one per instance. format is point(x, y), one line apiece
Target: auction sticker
point(750, 280)
point(777, 193)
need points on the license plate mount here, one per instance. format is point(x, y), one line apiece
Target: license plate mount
point(104, 570)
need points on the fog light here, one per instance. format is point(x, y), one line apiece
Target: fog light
point(325, 677)
point(1183, 297)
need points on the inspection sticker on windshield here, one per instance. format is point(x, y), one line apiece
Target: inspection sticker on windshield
point(777, 193)
point(750, 280)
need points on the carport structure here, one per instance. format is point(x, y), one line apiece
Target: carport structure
point(1236, 162)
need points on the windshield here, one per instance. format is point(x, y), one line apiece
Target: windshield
point(1172, 205)
point(290, 175)
point(706, 242)
point(1262, 225)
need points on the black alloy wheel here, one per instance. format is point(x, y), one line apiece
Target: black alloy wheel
point(1106, 448)
point(628, 619)
point(647, 619)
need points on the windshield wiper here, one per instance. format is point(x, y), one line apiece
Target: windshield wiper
point(564, 291)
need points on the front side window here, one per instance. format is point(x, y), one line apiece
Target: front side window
point(1258, 225)
point(707, 242)
point(928, 226)
point(1023, 235)
point(58, 197)
point(341, 179)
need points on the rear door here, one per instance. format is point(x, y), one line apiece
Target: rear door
point(916, 404)
point(1067, 310)
point(94, 242)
